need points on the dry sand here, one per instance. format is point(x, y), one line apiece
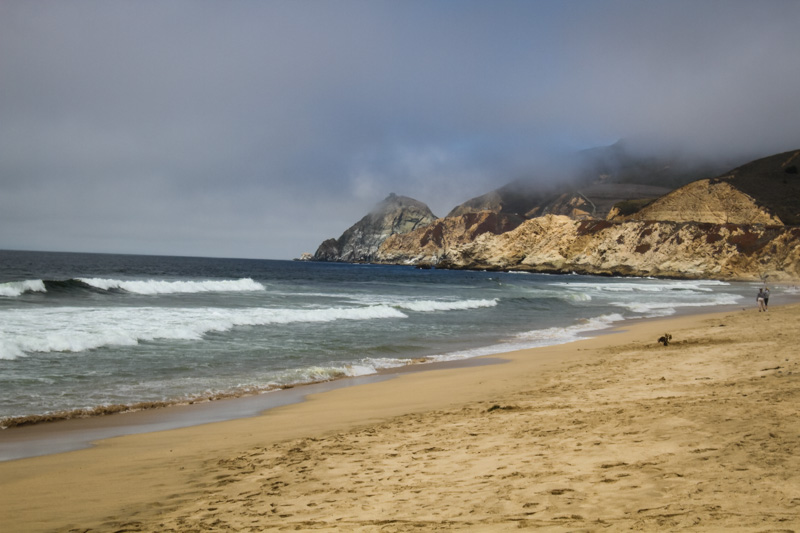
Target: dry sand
point(607, 434)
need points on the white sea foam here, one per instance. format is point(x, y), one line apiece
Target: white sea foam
point(537, 338)
point(629, 287)
point(652, 309)
point(424, 306)
point(311, 374)
point(792, 290)
point(560, 335)
point(576, 297)
point(364, 367)
point(77, 329)
point(175, 287)
point(17, 288)
point(418, 305)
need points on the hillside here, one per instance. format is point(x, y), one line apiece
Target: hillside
point(765, 191)
point(597, 180)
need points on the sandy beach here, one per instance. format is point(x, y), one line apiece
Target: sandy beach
point(611, 433)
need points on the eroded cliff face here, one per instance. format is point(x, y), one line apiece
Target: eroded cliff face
point(359, 243)
point(426, 245)
point(664, 249)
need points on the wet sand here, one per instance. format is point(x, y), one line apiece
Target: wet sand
point(612, 433)
point(70, 434)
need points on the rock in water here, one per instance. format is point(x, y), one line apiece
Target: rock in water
point(359, 244)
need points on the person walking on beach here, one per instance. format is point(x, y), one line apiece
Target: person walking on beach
point(766, 298)
point(760, 300)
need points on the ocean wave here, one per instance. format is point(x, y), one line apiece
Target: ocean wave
point(17, 288)
point(77, 329)
point(536, 338)
point(316, 374)
point(655, 309)
point(791, 290)
point(336, 370)
point(649, 287)
point(560, 335)
point(174, 287)
point(426, 306)
point(147, 287)
point(575, 296)
point(260, 384)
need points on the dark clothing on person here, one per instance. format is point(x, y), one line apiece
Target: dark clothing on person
point(760, 300)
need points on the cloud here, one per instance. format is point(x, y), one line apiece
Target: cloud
point(258, 129)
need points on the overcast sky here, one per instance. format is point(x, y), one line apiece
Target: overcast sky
point(260, 128)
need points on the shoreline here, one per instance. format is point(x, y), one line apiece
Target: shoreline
point(37, 435)
point(613, 430)
point(22, 417)
point(77, 433)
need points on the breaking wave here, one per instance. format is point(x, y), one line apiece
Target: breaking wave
point(425, 306)
point(174, 287)
point(17, 288)
point(148, 287)
point(78, 329)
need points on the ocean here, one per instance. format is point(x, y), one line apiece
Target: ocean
point(80, 333)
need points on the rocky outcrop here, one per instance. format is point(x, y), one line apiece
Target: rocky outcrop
point(425, 246)
point(359, 244)
point(663, 249)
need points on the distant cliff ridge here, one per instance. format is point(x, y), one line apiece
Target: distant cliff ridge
point(662, 249)
point(359, 243)
point(743, 224)
point(591, 200)
point(595, 181)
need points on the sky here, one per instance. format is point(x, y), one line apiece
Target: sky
point(258, 129)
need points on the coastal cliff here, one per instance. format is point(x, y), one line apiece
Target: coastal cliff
point(743, 224)
point(360, 242)
point(559, 244)
point(427, 245)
